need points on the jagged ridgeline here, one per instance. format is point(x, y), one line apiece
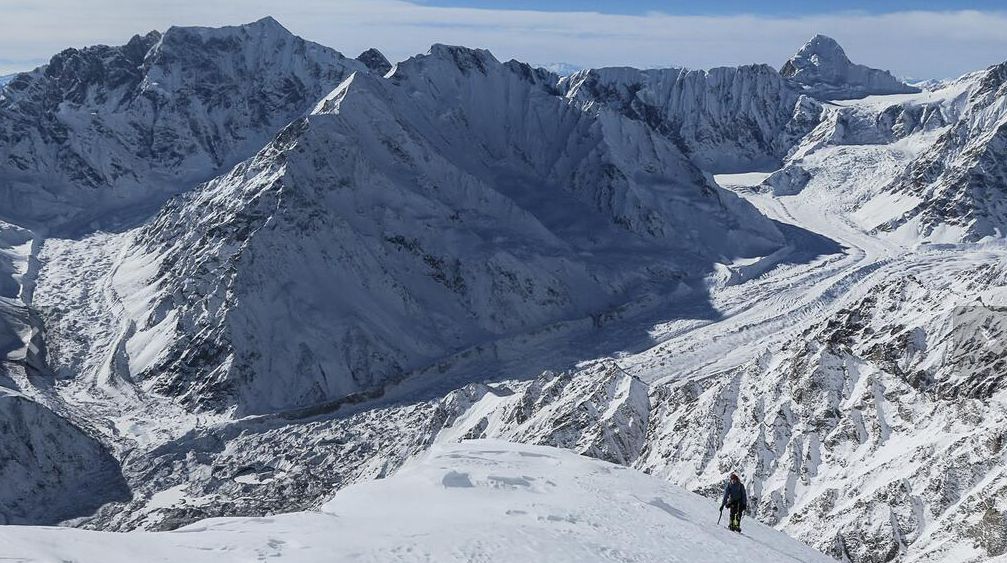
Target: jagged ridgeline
point(99, 137)
point(240, 271)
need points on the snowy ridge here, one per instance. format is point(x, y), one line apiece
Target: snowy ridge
point(725, 119)
point(462, 502)
point(103, 135)
point(598, 410)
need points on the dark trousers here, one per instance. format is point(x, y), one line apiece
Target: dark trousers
point(736, 511)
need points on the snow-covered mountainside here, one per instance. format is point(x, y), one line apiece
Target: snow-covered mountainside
point(101, 136)
point(560, 69)
point(482, 500)
point(685, 272)
point(935, 161)
point(960, 181)
point(725, 119)
point(822, 68)
point(405, 203)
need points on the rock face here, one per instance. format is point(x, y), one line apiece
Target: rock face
point(51, 471)
point(960, 180)
point(822, 68)
point(375, 61)
point(725, 119)
point(101, 136)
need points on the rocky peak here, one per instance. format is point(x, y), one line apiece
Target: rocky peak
point(266, 25)
point(821, 49)
point(125, 127)
point(375, 61)
point(77, 75)
point(822, 68)
point(464, 58)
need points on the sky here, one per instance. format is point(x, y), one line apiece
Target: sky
point(919, 40)
point(721, 7)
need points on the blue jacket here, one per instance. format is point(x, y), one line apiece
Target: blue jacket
point(734, 493)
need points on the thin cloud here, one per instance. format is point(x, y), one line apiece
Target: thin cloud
point(919, 43)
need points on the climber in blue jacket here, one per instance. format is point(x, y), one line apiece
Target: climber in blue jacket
point(736, 499)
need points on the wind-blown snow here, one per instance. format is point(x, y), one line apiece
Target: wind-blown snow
point(480, 500)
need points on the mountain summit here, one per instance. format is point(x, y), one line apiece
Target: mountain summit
point(823, 69)
point(101, 136)
point(375, 60)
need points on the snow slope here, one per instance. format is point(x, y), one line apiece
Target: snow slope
point(480, 500)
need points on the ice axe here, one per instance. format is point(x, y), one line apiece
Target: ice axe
point(721, 515)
